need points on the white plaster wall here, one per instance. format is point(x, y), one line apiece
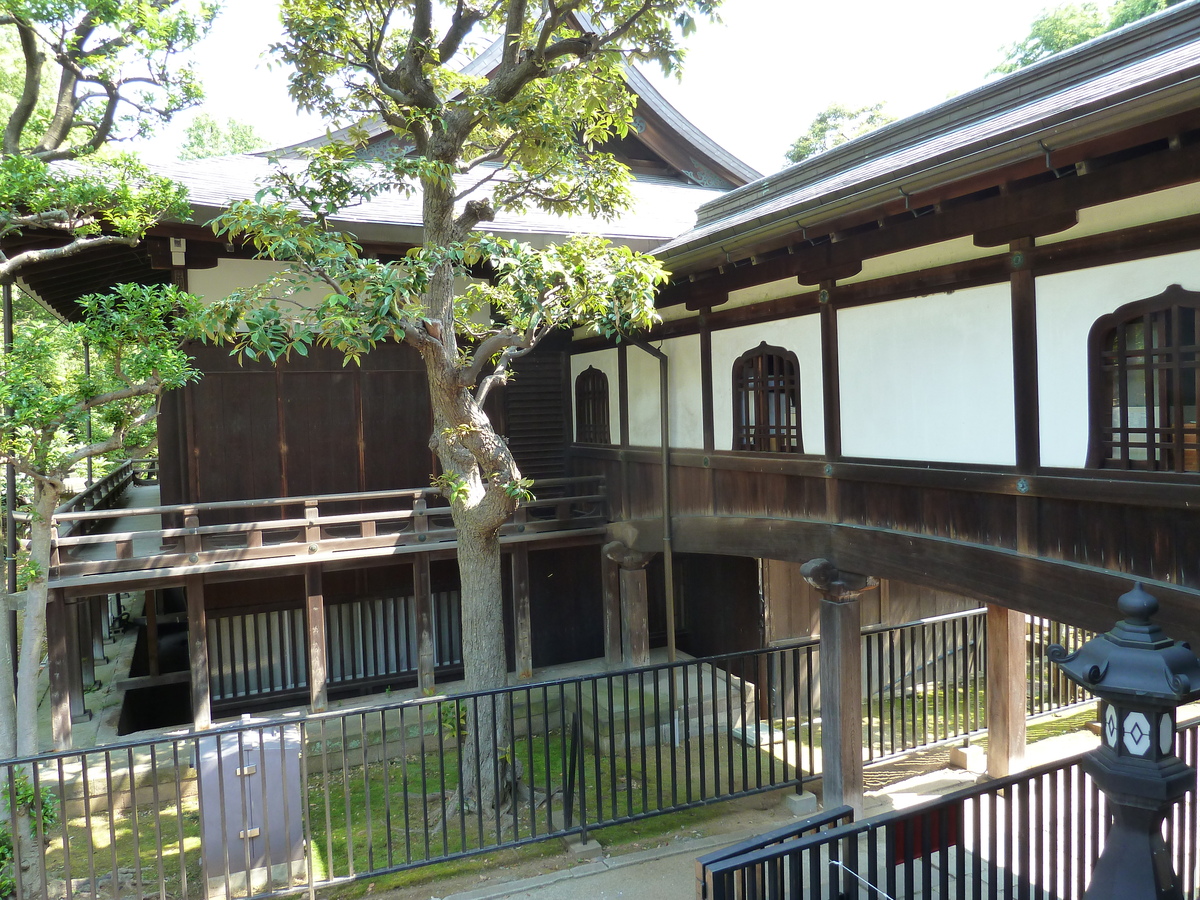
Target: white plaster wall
point(643, 398)
point(1067, 306)
point(229, 275)
point(801, 335)
point(1156, 207)
point(927, 257)
point(929, 378)
point(606, 362)
point(683, 382)
point(685, 385)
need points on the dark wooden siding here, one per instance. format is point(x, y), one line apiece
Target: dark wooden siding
point(537, 416)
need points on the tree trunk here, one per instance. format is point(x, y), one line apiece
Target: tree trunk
point(27, 853)
point(487, 778)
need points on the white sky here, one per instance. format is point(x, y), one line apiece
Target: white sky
point(752, 83)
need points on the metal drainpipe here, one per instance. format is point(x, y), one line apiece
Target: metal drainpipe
point(87, 371)
point(664, 417)
point(10, 494)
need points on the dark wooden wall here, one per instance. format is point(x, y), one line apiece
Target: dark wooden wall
point(306, 426)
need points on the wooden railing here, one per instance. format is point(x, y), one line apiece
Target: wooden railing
point(97, 496)
point(293, 530)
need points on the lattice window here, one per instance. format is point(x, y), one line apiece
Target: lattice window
point(591, 407)
point(766, 401)
point(1145, 376)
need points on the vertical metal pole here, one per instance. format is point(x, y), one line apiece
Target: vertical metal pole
point(87, 371)
point(10, 499)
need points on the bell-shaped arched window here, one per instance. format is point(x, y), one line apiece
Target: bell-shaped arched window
point(766, 401)
point(1145, 371)
point(591, 407)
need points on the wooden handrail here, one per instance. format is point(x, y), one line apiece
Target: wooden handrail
point(195, 547)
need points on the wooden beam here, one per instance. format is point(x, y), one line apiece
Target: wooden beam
point(1016, 231)
point(144, 681)
point(1006, 687)
point(522, 618)
point(198, 652)
point(318, 652)
point(423, 597)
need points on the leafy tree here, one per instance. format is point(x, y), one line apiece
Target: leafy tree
point(1066, 26)
point(522, 135)
point(208, 137)
point(835, 125)
point(86, 73)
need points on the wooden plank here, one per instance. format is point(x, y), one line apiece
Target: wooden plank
point(841, 703)
point(423, 596)
point(318, 650)
point(1005, 690)
point(198, 652)
point(522, 620)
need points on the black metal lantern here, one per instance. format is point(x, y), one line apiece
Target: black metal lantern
point(1140, 677)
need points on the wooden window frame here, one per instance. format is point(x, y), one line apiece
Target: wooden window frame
point(1170, 444)
point(782, 432)
point(592, 407)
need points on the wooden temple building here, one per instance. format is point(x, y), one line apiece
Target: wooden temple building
point(959, 356)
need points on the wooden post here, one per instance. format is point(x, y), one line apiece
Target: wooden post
point(193, 588)
point(841, 681)
point(1006, 688)
point(635, 627)
point(423, 595)
point(198, 652)
point(56, 646)
point(318, 658)
point(97, 613)
point(610, 578)
point(74, 664)
point(151, 610)
point(522, 619)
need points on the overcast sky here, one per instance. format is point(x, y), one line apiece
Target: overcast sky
point(752, 82)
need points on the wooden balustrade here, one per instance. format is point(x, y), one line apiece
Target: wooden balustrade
point(322, 532)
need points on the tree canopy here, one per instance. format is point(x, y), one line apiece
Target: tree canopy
point(835, 125)
point(1066, 26)
point(206, 136)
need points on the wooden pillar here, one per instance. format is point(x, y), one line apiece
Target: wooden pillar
point(57, 650)
point(610, 578)
point(841, 681)
point(98, 613)
point(198, 652)
point(423, 595)
point(522, 619)
point(318, 657)
point(193, 588)
point(150, 608)
point(1006, 687)
point(74, 663)
point(635, 626)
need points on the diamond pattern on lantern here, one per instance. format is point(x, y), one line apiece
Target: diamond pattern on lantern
point(1137, 733)
point(1110, 726)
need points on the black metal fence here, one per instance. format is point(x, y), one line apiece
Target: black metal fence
point(1033, 835)
point(293, 804)
point(288, 804)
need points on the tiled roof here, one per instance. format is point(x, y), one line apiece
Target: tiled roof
point(1141, 73)
point(661, 208)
